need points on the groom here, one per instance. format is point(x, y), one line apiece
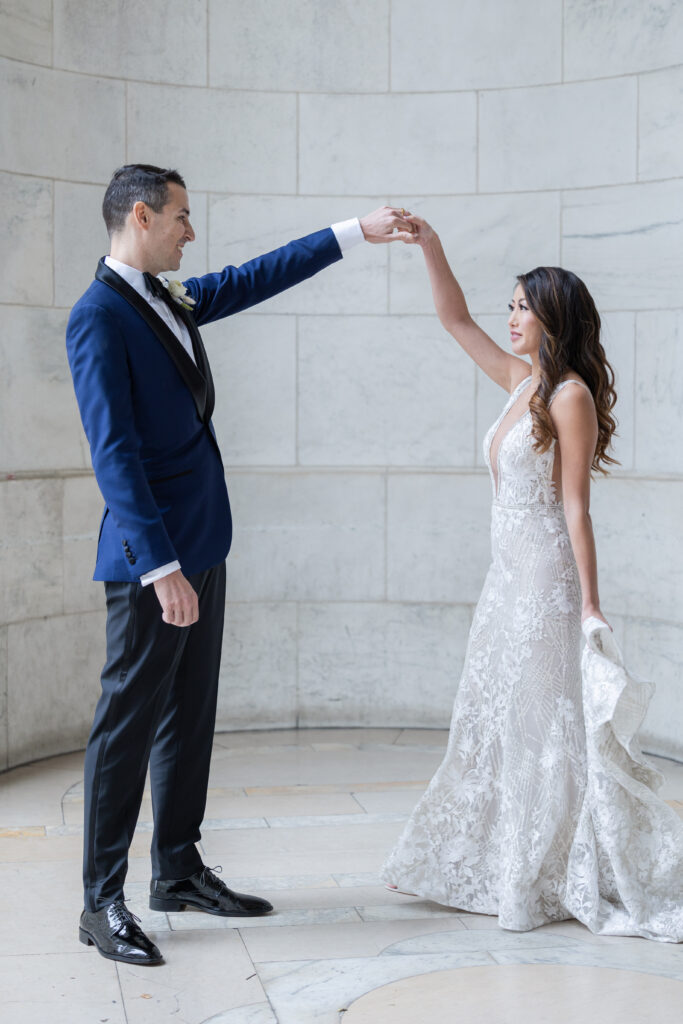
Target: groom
point(145, 393)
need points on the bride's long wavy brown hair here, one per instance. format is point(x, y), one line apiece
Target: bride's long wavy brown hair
point(570, 340)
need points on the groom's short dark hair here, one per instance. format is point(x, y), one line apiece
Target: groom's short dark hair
point(132, 184)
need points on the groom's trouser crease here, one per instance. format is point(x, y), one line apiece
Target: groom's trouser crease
point(158, 705)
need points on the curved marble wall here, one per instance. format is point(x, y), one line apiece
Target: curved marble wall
point(351, 425)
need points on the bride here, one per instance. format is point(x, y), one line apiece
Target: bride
point(517, 821)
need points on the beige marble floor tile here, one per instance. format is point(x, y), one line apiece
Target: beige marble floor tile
point(139, 869)
point(62, 988)
point(190, 920)
point(66, 847)
point(423, 738)
point(29, 796)
point(337, 787)
point(336, 896)
point(416, 908)
point(300, 850)
point(73, 810)
point(303, 765)
point(43, 901)
point(306, 737)
point(312, 942)
point(255, 1013)
point(205, 973)
point(389, 801)
point(536, 993)
point(257, 805)
point(276, 884)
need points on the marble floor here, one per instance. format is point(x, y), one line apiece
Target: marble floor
point(303, 818)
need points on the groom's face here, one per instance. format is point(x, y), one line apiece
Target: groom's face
point(170, 229)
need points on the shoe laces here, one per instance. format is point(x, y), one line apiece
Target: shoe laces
point(208, 876)
point(119, 914)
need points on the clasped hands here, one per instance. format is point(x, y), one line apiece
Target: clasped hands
point(391, 224)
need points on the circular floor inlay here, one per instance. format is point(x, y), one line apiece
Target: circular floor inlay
point(523, 994)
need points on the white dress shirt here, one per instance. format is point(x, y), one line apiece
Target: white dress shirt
point(347, 232)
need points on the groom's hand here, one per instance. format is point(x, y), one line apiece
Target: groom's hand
point(178, 599)
point(388, 224)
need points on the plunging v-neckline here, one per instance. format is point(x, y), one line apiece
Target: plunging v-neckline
point(514, 397)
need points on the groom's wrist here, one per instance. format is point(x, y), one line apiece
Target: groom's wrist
point(348, 233)
point(158, 574)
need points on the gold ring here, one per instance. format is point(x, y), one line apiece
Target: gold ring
point(403, 212)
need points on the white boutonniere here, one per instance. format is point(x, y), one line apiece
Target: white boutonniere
point(178, 293)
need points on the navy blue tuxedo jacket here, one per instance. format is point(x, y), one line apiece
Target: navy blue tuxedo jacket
point(146, 410)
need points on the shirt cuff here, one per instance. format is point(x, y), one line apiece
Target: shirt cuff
point(348, 233)
point(158, 574)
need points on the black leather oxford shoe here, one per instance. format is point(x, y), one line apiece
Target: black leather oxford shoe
point(205, 891)
point(115, 933)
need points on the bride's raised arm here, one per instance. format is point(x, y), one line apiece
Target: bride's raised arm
point(502, 367)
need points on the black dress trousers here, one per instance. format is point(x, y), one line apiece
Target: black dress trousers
point(157, 707)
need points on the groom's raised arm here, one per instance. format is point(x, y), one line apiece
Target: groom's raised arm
point(237, 288)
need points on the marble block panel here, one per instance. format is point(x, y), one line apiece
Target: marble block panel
point(626, 243)
point(253, 361)
point(659, 391)
point(53, 668)
point(307, 536)
point(61, 125)
point(258, 683)
point(80, 238)
point(167, 45)
point(82, 508)
point(636, 525)
point(38, 414)
point(299, 46)
point(393, 663)
point(4, 724)
point(619, 342)
point(444, 45)
point(31, 514)
point(654, 650)
point(353, 145)
point(219, 141)
point(616, 37)
point(383, 391)
point(26, 30)
point(438, 540)
point(489, 238)
point(242, 227)
point(660, 124)
point(26, 240)
point(584, 134)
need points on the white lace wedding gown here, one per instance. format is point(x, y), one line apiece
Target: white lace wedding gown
point(543, 808)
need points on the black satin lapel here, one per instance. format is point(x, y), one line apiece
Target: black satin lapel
point(200, 388)
point(202, 359)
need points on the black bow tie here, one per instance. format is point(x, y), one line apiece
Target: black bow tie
point(158, 288)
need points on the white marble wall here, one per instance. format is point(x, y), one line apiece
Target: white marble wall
point(350, 423)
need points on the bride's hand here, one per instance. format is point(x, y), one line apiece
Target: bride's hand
point(422, 232)
point(595, 613)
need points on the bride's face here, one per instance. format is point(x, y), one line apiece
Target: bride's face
point(525, 328)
